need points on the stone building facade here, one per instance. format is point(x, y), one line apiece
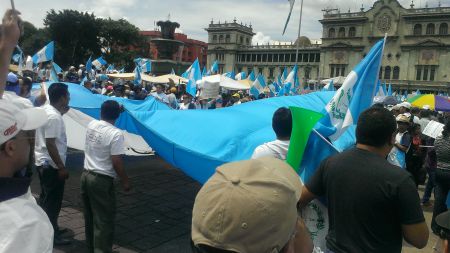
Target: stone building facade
point(416, 56)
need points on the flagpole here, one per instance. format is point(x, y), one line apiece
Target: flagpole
point(327, 141)
point(299, 30)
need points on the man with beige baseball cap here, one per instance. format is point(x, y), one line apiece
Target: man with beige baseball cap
point(24, 226)
point(250, 207)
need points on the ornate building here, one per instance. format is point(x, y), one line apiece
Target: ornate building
point(230, 44)
point(417, 53)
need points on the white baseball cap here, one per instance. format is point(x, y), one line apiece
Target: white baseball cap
point(17, 115)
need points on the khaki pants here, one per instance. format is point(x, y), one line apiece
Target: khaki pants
point(99, 199)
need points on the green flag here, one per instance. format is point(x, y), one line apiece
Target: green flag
point(303, 121)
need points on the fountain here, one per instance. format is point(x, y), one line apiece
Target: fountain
point(167, 46)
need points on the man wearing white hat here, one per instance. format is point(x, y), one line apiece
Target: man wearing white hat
point(24, 226)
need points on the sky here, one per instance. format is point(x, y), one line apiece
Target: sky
point(266, 16)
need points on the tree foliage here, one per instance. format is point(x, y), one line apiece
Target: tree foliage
point(75, 35)
point(116, 39)
point(33, 39)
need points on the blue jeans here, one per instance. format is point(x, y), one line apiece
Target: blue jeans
point(430, 185)
point(440, 194)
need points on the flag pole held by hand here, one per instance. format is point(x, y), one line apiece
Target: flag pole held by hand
point(12, 6)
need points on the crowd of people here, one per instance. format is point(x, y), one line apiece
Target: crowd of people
point(246, 206)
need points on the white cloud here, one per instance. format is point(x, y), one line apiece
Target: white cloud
point(260, 39)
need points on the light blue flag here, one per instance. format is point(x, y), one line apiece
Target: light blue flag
point(45, 54)
point(252, 76)
point(383, 86)
point(122, 70)
point(89, 65)
point(329, 86)
point(230, 74)
point(147, 66)
point(285, 74)
point(389, 92)
point(272, 91)
point(418, 92)
point(204, 72)
point(99, 62)
point(258, 86)
point(54, 73)
point(291, 2)
point(57, 68)
point(172, 72)
point(214, 68)
point(292, 81)
point(137, 75)
point(240, 76)
point(277, 87)
point(186, 73)
point(355, 95)
point(110, 68)
point(195, 74)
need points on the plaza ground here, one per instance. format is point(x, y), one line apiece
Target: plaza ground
point(155, 216)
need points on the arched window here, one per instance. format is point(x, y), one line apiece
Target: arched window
point(341, 33)
point(396, 73)
point(417, 29)
point(443, 29)
point(387, 73)
point(331, 33)
point(352, 32)
point(430, 29)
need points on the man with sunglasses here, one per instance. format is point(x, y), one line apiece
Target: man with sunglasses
point(24, 226)
point(102, 163)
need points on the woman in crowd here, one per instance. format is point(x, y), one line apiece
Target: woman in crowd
point(442, 147)
point(415, 154)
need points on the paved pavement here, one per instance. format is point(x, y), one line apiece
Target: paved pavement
point(154, 217)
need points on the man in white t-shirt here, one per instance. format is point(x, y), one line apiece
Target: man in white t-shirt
point(159, 94)
point(102, 163)
point(50, 156)
point(282, 126)
point(24, 226)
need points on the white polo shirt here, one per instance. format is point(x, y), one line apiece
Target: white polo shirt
point(24, 226)
point(276, 148)
point(54, 128)
point(102, 141)
point(162, 97)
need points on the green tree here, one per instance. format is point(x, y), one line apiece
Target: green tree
point(121, 42)
point(33, 39)
point(75, 35)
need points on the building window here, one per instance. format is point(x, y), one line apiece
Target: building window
point(443, 29)
point(380, 74)
point(318, 57)
point(247, 57)
point(430, 29)
point(425, 72)
point(305, 58)
point(331, 33)
point(221, 68)
point(241, 40)
point(396, 73)
point(264, 58)
point(214, 40)
point(341, 33)
point(248, 41)
point(269, 57)
point(337, 70)
point(417, 29)
point(260, 71)
point(253, 57)
point(271, 72)
point(418, 73)
point(220, 38)
point(432, 72)
point(227, 38)
point(276, 58)
point(387, 73)
point(352, 32)
point(292, 57)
